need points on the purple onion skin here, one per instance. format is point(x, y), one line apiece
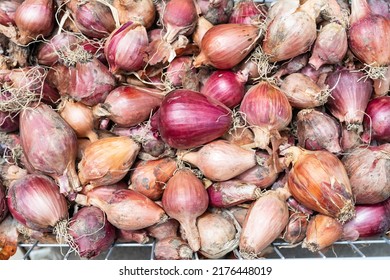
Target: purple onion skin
point(92, 233)
point(380, 7)
point(370, 220)
point(187, 119)
point(377, 121)
point(225, 86)
point(3, 203)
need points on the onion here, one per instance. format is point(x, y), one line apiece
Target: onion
point(319, 181)
point(80, 118)
point(172, 248)
point(262, 175)
point(201, 28)
point(322, 232)
point(225, 86)
point(3, 203)
point(380, 7)
point(34, 18)
point(266, 219)
point(129, 105)
point(368, 34)
point(86, 81)
point(179, 17)
point(368, 169)
point(141, 11)
point(295, 205)
point(239, 136)
point(292, 66)
point(149, 177)
point(180, 70)
point(91, 233)
point(303, 92)
point(382, 86)
point(331, 45)
point(187, 119)
point(218, 235)
point(35, 202)
point(139, 236)
point(7, 11)
point(125, 48)
point(50, 145)
point(164, 230)
point(127, 209)
point(92, 18)
point(370, 220)
point(377, 120)
point(216, 11)
point(103, 192)
point(231, 193)
point(282, 7)
point(267, 110)
point(349, 99)
point(291, 32)
point(185, 199)
point(316, 75)
point(106, 161)
point(295, 230)
point(247, 12)
point(318, 131)
point(226, 45)
point(220, 161)
point(9, 238)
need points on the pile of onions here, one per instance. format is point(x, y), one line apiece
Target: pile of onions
point(185, 199)
point(91, 232)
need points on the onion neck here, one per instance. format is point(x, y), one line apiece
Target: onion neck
point(191, 233)
point(69, 181)
point(360, 9)
point(292, 154)
point(312, 8)
point(200, 59)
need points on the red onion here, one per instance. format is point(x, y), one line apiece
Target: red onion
point(263, 174)
point(127, 209)
point(187, 119)
point(370, 220)
point(368, 34)
point(380, 7)
point(92, 18)
point(317, 131)
point(216, 11)
point(322, 232)
point(295, 230)
point(266, 219)
point(35, 201)
point(3, 203)
point(164, 230)
point(7, 11)
point(349, 97)
point(179, 70)
point(91, 233)
point(185, 199)
point(129, 105)
point(149, 177)
point(247, 12)
point(377, 120)
point(125, 48)
point(172, 248)
point(139, 236)
point(107, 160)
point(368, 170)
point(226, 45)
point(141, 11)
point(231, 193)
point(220, 161)
point(218, 235)
point(225, 86)
point(331, 45)
point(179, 17)
point(34, 18)
point(50, 145)
point(86, 81)
point(267, 110)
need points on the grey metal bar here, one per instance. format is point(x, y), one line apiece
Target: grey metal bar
point(27, 255)
point(109, 251)
point(196, 257)
point(356, 249)
point(68, 253)
point(152, 251)
point(321, 254)
point(276, 249)
point(237, 254)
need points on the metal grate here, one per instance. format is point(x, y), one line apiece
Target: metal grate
point(369, 248)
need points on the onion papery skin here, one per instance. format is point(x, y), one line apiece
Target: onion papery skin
point(36, 202)
point(319, 181)
point(187, 119)
point(377, 120)
point(369, 173)
point(50, 145)
point(91, 232)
